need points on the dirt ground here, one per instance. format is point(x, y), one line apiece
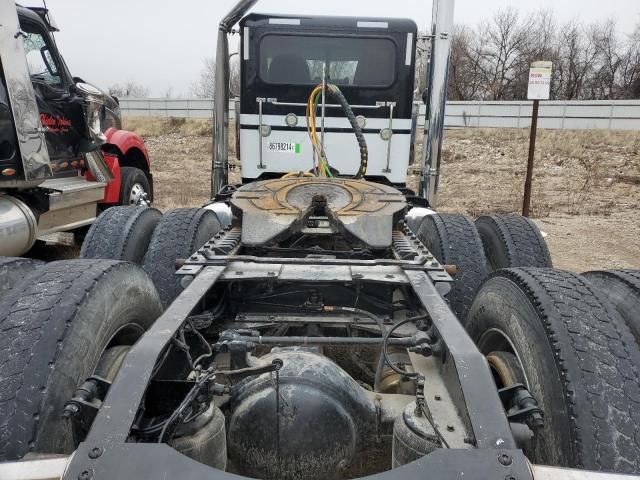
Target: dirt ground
point(586, 194)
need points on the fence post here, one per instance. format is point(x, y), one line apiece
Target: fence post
point(613, 104)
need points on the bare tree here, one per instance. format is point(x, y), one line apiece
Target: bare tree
point(627, 77)
point(491, 60)
point(608, 61)
point(506, 38)
point(234, 76)
point(128, 89)
point(576, 60)
point(168, 93)
point(203, 87)
point(466, 73)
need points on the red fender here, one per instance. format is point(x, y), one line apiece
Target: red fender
point(112, 190)
point(126, 140)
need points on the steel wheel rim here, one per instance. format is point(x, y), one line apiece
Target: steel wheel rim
point(136, 193)
point(496, 339)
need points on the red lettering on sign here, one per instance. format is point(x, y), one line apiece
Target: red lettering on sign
point(55, 124)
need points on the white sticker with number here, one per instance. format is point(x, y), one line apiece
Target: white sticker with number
point(283, 147)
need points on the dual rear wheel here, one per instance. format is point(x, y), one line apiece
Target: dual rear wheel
point(557, 334)
point(62, 322)
point(570, 339)
point(144, 236)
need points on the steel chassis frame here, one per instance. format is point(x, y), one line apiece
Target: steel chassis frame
point(106, 454)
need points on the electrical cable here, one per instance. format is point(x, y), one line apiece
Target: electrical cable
point(204, 341)
point(322, 165)
point(193, 393)
point(435, 428)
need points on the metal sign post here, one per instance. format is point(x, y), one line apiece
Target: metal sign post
point(539, 89)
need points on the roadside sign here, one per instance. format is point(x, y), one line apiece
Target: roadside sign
point(539, 89)
point(540, 80)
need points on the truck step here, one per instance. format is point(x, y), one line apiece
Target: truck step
point(67, 185)
point(72, 203)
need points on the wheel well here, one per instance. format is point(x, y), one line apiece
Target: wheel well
point(134, 158)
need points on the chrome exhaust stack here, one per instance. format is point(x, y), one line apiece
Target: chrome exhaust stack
point(438, 74)
point(94, 100)
point(220, 160)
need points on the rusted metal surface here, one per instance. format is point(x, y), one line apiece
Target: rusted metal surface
point(365, 210)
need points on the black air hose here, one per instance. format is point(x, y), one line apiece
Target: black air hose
point(362, 143)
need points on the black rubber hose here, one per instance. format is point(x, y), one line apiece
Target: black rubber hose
point(383, 331)
point(362, 143)
point(385, 345)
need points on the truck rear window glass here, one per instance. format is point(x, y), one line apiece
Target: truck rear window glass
point(298, 60)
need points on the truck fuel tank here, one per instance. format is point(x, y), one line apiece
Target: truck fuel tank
point(18, 227)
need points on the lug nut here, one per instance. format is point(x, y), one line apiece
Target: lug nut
point(85, 475)
point(95, 452)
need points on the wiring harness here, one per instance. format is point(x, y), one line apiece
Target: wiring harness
point(323, 168)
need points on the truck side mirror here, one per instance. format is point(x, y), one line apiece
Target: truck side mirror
point(425, 94)
point(232, 93)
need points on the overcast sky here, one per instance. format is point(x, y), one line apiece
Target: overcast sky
point(161, 44)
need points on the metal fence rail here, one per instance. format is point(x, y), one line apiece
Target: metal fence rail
point(599, 114)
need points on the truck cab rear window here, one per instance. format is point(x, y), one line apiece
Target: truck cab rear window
point(298, 60)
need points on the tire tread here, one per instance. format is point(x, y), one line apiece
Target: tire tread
point(173, 238)
point(33, 327)
point(110, 234)
point(460, 245)
point(598, 365)
point(521, 240)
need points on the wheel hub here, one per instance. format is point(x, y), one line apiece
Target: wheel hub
point(136, 193)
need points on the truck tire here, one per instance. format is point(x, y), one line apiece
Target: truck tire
point(622, 289)
point(577, 361)
point(13, 270)
point(454, 240)
point(53, 335)
point(121, 233)
point(512, 241)
point(179, 234)
point(134, 183)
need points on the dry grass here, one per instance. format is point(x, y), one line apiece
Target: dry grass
point(588, 172)
point(576, 172)
point(586, 190)
point(180, 151)
point(155, 126)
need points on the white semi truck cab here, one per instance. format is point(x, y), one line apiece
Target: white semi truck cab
point(283, 58)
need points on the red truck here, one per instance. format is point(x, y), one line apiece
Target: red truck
point(63, 154)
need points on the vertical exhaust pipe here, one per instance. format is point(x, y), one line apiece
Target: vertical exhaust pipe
point(437, 77)
point(220, 160)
